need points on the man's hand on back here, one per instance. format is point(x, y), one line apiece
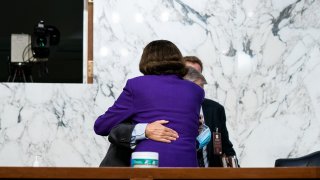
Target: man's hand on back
point(158, 132)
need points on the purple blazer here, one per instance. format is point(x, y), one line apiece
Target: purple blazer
point(148, 98)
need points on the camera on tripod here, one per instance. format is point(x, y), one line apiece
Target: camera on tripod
point(30, 50)
point(42, 38)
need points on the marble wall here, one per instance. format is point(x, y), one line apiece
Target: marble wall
point(261, 61)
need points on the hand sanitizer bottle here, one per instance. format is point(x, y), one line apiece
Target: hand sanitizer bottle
point(37, 161)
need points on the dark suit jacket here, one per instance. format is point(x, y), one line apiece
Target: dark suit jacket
point(215, 117)
point(119, 151)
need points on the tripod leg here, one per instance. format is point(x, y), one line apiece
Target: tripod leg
point(23, 75)
point(14, 76)
point(9, 78)
point(31, 80)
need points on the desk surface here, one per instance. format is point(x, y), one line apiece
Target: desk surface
point(157, 173)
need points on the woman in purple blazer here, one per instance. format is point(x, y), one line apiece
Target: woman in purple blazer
point(160, 94)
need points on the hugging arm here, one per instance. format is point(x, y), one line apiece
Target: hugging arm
point(128, 135)
point(121, 110)
point(121, 135)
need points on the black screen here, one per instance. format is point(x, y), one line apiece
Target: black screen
point(64, 64)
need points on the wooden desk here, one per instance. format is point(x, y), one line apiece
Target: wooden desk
point(157, 173)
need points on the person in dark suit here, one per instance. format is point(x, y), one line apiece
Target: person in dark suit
point(215, 118)
point(120, 137)
point(160, 93)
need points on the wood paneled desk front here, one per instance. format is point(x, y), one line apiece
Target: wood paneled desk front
point(157, 173)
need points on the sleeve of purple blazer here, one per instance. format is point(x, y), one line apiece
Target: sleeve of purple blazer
point(121, 110)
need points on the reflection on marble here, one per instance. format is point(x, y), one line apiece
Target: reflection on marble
point(261, 62)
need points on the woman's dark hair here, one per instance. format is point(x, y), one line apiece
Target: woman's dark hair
point(162, 57)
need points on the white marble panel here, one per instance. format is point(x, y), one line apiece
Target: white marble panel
point(255, 55)
point(54, 121)
point(276, 116)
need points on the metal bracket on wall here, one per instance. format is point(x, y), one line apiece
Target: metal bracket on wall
point(90, 68)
